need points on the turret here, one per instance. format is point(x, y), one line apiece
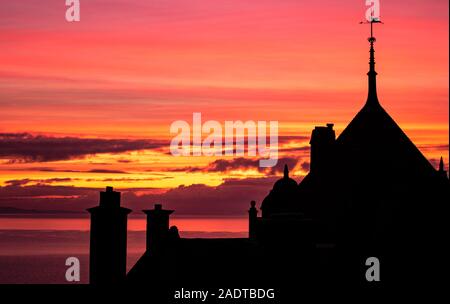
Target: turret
point(322, 148)
point(108, 240)
point(157, 228)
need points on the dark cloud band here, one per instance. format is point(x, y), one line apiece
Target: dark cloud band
point(25, 147)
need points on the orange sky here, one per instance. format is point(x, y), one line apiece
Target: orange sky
point(131, 68)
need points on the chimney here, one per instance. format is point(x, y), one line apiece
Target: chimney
point(110, 198)
point(108, 240)
point(322, 143)
point(157, 228)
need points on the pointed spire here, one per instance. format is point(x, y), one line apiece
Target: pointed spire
point(372, 98)
point(442, 171)
point(286, 171)
point(441, 165)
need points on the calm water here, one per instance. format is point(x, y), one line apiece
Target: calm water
point(34, 250)
point(229, 224)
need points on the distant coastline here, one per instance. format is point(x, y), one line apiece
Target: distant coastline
point(19, 211)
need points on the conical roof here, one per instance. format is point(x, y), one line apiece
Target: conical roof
point(374, 148)
point(377, 146)
point(371, 160)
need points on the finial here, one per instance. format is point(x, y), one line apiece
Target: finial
point(441, 165)
point(442, 171)
point(286, 171)
point(253, 204)
point(372, 98)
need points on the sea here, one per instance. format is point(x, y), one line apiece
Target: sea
point(34, 249)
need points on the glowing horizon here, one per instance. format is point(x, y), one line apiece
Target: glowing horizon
point(128, 69)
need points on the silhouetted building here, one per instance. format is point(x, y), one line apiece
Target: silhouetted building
point(374, 193)
point(282, 198)
point(157, 228)
point(108, 243)
point(171, 260)
point(369, 193)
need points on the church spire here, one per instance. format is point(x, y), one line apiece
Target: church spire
point(372, 98)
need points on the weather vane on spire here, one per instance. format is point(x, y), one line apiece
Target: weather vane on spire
point(372, 16)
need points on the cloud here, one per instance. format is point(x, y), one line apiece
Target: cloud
point(305, 166)
point(222, 165)
point(443, 148)
point(49, 169)
point(296, 142)
point(232, 197)
point(241, 163)
point(106, 171)
point(47, 197)
point(25, 147)
point(128, 179)
point(295, 149)
point(26, 181)
point(124, 161)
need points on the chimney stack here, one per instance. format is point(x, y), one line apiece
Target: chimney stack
point(108, 240)
point(157, 228)
point(322, 144)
